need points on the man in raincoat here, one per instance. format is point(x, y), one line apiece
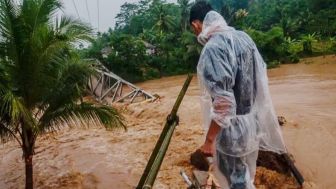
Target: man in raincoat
point(235, 100)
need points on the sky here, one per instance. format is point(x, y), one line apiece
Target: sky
point(108, 9)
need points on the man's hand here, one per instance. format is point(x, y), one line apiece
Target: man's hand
point(207, 148)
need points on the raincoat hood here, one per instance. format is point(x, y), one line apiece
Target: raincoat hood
point(212, 23)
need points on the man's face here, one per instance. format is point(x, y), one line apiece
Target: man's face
point(196, 27)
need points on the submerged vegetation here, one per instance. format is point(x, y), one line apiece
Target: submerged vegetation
point(152, 38)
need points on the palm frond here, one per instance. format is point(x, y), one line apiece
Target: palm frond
point(7, 133)
point(10, 33)
point(39, 12)
point(8, 13)
point(82, 114)
point(3, 78)
point(70, 83)
point(13, 111)
point(14, 107)
point(73, 30)
point(4, 133)
point(61, 107)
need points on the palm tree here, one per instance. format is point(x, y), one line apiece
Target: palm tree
point(193, 48)
point(42, 80)
point(185, 8)
point(163, 21)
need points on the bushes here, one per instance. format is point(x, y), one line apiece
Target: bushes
point(273, 64)
point(151, 73)
point(290, 49)
point(307, 43)
point(324, 46)
point(332, 42)
point(275, 48)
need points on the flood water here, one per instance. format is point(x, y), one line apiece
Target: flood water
point(305, 94)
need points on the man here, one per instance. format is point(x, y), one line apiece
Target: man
point(236, 99)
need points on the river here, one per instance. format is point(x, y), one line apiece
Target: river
point(304, 93)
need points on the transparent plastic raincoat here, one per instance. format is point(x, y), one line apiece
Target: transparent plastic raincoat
point(235, 94)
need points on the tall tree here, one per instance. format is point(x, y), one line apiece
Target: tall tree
point(164, 22)
point(184, 6)
point(42, 80)
point(127, 11)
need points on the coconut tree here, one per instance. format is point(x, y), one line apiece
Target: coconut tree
point(163, 22)
point(184, 6)
point(41, 78)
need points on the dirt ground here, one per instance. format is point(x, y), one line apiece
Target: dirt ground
point(95, 158)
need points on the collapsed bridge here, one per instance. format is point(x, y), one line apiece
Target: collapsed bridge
point(108, 87)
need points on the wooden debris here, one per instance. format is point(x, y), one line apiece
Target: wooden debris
point(205, 179)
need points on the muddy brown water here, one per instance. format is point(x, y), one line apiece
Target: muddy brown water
point(304, 93)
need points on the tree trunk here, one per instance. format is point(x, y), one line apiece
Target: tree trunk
point(28, 143)
point(29, 171)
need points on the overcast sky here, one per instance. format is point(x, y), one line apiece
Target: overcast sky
point(108, 9)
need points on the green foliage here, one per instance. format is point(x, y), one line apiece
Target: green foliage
point(282, 31)
point(291, 16)
point(332, 42)
point(160, 25)
point(307, 43)
point(323, 17)
point(275, 47)
point(42, 78)
point(291, 49)
point(128, 57)
point(236, 5)
point(273, 64)
point(294, 17)
point(268, 43)
point(184, 6)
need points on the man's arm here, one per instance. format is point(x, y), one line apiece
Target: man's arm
point(220, 106)
point(208, 147)
point(218, 76)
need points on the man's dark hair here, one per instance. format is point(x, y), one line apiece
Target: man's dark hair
point(199, 10)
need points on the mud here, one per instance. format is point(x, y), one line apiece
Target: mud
point(273, 161)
